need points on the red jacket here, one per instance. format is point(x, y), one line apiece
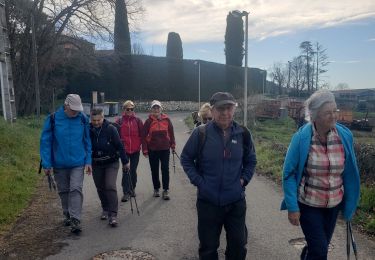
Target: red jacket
point(158, 134)
point(131, 129)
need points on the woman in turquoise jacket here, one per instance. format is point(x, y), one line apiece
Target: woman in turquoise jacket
point(320, 175)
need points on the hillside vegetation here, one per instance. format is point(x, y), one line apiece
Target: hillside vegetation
point(19, 162)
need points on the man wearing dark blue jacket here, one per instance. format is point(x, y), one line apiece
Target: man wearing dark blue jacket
point(65, 148)
point(220, 165)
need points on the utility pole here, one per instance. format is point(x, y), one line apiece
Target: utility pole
point(8, 105)
point(35, 64)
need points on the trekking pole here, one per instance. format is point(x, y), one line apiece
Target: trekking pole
point(51, 182)
point(178, 157)
point(353, 241)
point(174, 163)
point(127, 175)
point(133, 193)
point(347, 241)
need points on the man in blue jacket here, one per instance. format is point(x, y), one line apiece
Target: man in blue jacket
point(220, 166)
point(65, 148)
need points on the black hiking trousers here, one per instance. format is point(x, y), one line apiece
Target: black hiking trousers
point(211, 219)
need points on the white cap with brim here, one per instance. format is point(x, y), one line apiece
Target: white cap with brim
point(74, 102)
point(155, 103)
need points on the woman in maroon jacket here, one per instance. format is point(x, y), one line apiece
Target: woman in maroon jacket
point(159, 139)
point(131, 129)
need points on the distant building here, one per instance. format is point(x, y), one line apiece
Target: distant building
point(351, 98)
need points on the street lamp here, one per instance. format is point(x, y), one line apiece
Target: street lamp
point(199, 82)
point(237, 13)
point(264, 73)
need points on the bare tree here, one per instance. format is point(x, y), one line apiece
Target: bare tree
point(342, 86)
point(307, 53)
point(52, 19)
point(279, 75)
point(298, 74)
point(321, 64)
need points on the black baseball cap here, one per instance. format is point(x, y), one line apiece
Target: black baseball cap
point(222, 98)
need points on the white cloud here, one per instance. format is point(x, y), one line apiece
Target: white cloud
point(351, 61)
point(205, 20)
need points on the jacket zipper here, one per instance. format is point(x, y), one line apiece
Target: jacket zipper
point(130, 139)
point(222, 172)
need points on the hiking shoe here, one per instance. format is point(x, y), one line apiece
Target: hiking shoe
point(125, 198)
point(104, 215)
point(67, 221)
point(113, 222)
point(165, 195)
point(75, 226)
point(156, 193)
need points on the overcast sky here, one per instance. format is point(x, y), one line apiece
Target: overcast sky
point(346, 28)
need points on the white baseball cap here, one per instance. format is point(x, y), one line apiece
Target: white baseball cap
point(155, 103)
point(74, 102)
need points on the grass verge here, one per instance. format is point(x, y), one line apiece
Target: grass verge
point(19, 162)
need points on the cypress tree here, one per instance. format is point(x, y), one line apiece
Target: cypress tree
point(234, 39)
point(122, 35)
point(174, 46)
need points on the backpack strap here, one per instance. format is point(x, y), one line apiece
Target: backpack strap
point(247, 144)
point(201, 142)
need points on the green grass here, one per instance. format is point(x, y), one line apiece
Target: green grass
point(279, 131)
point(365, 215)
point(19, 161)
point(189, 122)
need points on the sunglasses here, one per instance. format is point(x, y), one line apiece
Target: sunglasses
point(129, 109)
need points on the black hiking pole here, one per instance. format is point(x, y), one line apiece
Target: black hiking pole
point(132, 193)
point(174, 163)
point(347, 241)
point(353, 241)
point(178, 157)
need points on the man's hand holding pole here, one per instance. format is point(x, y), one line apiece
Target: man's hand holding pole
point(88, 169)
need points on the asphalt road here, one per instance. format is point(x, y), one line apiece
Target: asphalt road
point(167, 229)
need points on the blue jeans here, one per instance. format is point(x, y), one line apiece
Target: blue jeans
point(69, 185)
point(211, 219)
point(317, 225)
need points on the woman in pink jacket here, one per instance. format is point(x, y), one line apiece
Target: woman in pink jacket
point(131, 129)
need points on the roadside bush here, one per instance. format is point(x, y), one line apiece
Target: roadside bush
point(366, 162)
point(367, 202)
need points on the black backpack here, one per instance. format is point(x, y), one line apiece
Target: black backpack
point(247, 141)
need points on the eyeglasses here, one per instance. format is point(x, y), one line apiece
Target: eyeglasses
point(205, 119)
point(330, 113)
point(129, 109)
